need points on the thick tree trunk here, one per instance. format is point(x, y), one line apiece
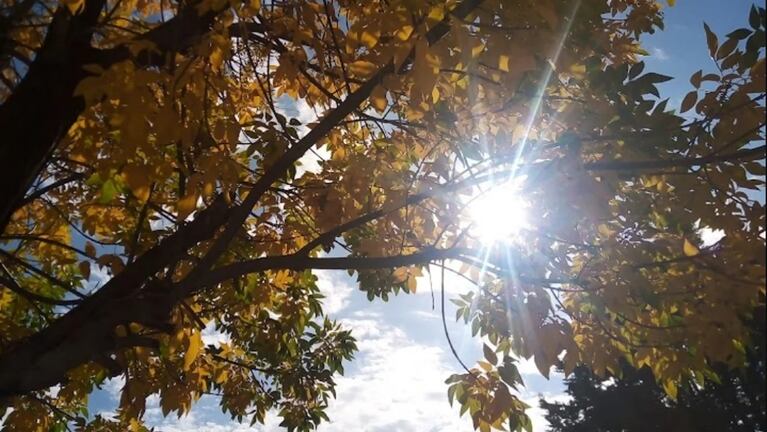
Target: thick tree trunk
point(41, 109)
point(87, 334)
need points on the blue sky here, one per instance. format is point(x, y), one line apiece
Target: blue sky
point(681, 50)
point(396, 381)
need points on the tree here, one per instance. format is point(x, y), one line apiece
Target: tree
point(633, 402)
point(150, 139)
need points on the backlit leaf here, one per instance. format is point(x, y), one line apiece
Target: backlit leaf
point(690, 249)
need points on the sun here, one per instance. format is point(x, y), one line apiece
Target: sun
point(500, 213)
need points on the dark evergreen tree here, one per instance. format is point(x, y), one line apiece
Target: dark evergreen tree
point(634, 402)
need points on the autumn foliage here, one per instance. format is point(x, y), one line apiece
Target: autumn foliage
point(151, 140)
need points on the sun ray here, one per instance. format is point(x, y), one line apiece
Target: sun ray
point(500, 213)
point(537, 100)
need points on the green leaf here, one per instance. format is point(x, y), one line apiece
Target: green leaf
point(109, 191)
point(475, 327)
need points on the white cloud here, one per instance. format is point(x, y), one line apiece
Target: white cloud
point(527, 367)
point(397, 384)
point(202, 419)
point(394, 384)
point(98, 278)
point(427, 314)
point(212, 336)
point(336, 287)
point(192, 424)
point(659, 54)
point(431, 281)
point(536, 413)
point(305, 113)
point(160, 222)
point(114, 386)
point(710, 236)
point(53, 391)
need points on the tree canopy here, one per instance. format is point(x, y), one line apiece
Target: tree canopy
point(631, 401)
point(150, 139)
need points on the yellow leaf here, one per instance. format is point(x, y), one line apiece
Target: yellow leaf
point(437, 13)
point(578, 69)
point(138, 180)
point(282, 279)
point(74, 6)
point(671, 389)
point(414, 114)
point(135, 425)
point(186, 205)
point(222, 376)
point(412, 283)
point(400, 274)
point(216, 58)
point(370, 38)
point(425, 70)
point(378, 99)
point(487, 367)
point(503, 63)
point(435, 95)
point(690, 249)
point(195, 343)
point(362, 68)
point(476, 50)
point(404, 32)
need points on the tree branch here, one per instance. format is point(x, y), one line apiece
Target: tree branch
point(302, 262)
point(295, 152)
point(738, 156)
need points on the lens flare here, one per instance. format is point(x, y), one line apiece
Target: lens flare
point(499, 214)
